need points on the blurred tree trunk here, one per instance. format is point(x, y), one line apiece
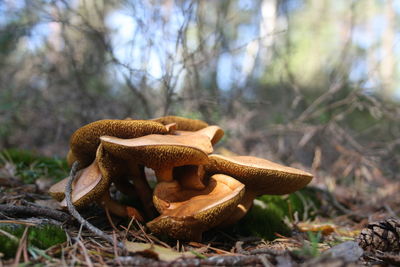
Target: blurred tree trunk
point(267, 29)
point(388, 65)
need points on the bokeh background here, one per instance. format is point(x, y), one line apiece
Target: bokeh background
point(314, 84)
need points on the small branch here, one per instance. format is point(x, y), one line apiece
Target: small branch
point(75, 213)
point(33, 211)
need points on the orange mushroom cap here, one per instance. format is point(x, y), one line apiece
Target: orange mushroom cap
point(160, 152)
point(184, 124)
point(85, 140)
point(186, 214)
point(260, 176)
point(214, 132)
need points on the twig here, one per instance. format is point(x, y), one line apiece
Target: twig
point(34, 211)
point(21, 244)
point(85, 254)
point(239, 249)
point(110, 219)
point(252, 260)
point(75, 213)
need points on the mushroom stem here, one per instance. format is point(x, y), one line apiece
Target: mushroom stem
point(120, 210)
point(164, 174)
point(143, 190)
point(190, 176)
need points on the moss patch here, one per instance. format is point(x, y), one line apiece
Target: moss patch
point(268, 213)
point(39, 237)
point(30, 166)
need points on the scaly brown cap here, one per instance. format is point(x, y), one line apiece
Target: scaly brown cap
point(183, 124)
point(160, 152)
point(85, 140)
point(260, 175)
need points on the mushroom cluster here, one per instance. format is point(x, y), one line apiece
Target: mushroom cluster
point(195, 191)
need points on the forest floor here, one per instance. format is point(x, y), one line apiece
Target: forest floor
point(315, 227)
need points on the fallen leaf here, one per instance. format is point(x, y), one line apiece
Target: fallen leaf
point(326, 229)
point(156, 251)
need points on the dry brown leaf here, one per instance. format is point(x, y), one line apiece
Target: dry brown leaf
point(326, 229)
point(156, 252)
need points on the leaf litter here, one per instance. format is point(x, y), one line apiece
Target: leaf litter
point(316, 232)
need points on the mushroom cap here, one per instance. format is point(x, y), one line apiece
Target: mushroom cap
point(240, 210)
point(260, 175)
point(90, 184)
point(160, 152)
point(57, 190)
point(186, 214)
point(85, 140)
point(70, 158)
point(214, 132)
point(182, 123)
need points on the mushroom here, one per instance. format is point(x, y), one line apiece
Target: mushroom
point(89, 185)
point(85, 140)
point(260, 176)
point(186, 214)
point(183, 124)
point(160, 152)
point(92, 185)
point(70, 158)
point(192, 176)
point(121, 172)
point(196, 191)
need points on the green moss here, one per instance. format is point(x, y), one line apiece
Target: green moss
point(263, 222)
point(30, 166)
point(39, 237)
point(267, 215)
point(46, 236)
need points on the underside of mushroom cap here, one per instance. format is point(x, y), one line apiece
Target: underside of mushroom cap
point(182, 123)
point(160, 152)
point(260, 175)
point(85, 140)
point(83, 186)
point(186, 214)
point(57, 190)
point(88, 186)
